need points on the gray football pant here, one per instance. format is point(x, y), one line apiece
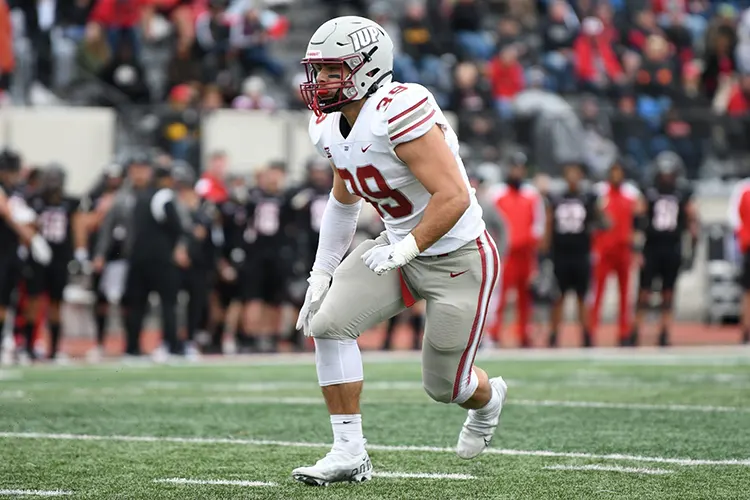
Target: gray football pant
point(456, 288)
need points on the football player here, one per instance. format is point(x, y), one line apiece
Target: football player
point(571, 217)
point(670, 213)
point(61, 224)
point(95, 205)
point(263, 286)
point(233, 216)
point(390, 145)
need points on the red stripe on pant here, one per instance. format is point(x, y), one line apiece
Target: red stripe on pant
point(517, 268)
point(616, 261)
point(476, 327)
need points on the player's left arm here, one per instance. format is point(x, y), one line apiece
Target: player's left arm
point(79, 224)
point(433, 164)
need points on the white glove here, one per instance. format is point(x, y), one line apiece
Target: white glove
point(40, 250)
point(319, 283)
point(383, 258)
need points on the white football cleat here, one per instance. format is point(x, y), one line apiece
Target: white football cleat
point(476, 434)
point(337, 466)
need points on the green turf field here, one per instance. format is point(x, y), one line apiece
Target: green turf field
point(629, 425)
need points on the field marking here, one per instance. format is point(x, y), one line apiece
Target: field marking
point(10, 375)
point(684, 355)
point(608, 468)
point(10, 394)
point(317, 401)
point(34, 493)
point(375, 447)
point(628, 406)
point(423, 475)
point(214, 482)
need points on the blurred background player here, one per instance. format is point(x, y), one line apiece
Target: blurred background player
point(212, 184)
point(95, 207)
point(739, 221)
point(571, 217)
point(670, 213)
point(197, 280)
point(227, 305)
point(60, 222)
point(614, 246)
point(158, 253)
point(263, 285)
point(522, 209)
point(306, 211)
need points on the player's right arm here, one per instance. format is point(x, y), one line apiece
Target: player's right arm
point(337, 227)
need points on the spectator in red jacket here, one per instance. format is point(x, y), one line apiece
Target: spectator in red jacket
point(506, 79)
point(121, 19)
point(597, 67)
point(739, 97)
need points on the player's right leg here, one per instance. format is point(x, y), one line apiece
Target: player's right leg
point(357, 300)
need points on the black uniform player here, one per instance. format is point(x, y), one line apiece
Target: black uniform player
point(571, 218)
point(307, 206)
point(671, 212)
point(157, 251)
point(197, 280)
point(10, 165)
point(59, 223)
point(233, 214)
point(268, 254)
point(96, 205)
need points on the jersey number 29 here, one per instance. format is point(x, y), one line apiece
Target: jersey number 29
point(385, 199)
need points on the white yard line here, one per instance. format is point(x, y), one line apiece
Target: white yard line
point(10, 394)
point(375, 447)
point(213, 482)
point(9, 375)
point(315, 401)
point(34, 493)
point(423, 475)
point(629, 406)
point(610, 468)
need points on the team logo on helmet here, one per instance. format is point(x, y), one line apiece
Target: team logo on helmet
point(365, 37)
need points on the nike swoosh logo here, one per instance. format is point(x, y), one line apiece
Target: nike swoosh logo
point(453, 275)
point(346, 422)
point(366, 148)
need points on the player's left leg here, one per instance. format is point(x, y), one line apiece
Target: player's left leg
point(582, 270)
point(357, 300)
point(670, 269)
point(457, 289)
point(562, 276)
point(58, 279)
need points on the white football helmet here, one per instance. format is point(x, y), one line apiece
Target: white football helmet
point(361, 44)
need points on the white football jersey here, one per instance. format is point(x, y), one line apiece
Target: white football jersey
point(367, 162)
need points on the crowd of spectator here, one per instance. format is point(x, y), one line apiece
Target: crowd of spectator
point(650, 72)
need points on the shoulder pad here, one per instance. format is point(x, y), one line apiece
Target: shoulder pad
point(406, 112)
point(316, 130)
point(629, 189)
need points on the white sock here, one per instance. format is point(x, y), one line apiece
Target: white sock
point(490, 408)
point(347, 432)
